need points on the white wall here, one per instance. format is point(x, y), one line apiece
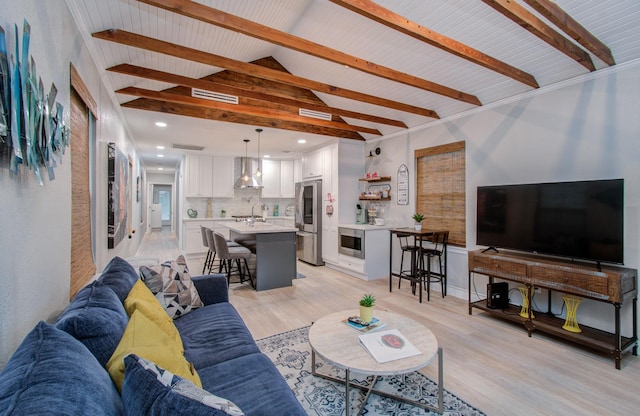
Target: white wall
point(583, 130)
point(35, 236)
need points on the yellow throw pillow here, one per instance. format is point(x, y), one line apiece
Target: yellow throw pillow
point(145, 339)
point(140, 298)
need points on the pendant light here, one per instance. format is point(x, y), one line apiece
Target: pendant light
point(246, 180)
point(258, 173)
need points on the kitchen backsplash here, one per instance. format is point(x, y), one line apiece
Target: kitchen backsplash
point(240, 204)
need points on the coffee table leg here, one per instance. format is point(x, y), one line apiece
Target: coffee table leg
point(347, 403)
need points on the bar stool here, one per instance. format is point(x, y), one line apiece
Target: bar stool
point(413, 273)
point(210, 253)
point(230, 255)
point(208, 232)
point(437, 249)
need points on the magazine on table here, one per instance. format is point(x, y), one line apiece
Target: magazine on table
point(388, 345)
point(355, 323)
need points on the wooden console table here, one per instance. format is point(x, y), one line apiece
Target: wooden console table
point(613, 285)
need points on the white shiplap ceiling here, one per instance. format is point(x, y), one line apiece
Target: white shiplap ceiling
point(472, 22)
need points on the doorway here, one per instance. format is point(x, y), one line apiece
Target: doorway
point(161, 214)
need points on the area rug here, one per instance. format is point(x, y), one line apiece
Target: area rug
point(291, 353)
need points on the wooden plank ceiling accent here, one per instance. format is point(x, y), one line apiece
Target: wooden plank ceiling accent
point(258, 110)
point(179, 51)
point(402, 24)
point(530, 22)
point(228, 21)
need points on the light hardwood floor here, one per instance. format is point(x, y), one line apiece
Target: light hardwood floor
point(490, 363)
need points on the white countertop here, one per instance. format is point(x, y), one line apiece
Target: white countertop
point(259, 228)
point(367, 226)
point(228, 218)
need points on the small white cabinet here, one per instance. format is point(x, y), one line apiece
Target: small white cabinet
point(198, 177)
point(312, 164)
point(223, 177)
point(277, 179)
point(193, 236)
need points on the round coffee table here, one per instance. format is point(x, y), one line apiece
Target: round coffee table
point(338, 344)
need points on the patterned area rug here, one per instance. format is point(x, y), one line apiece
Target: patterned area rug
point(291, 353)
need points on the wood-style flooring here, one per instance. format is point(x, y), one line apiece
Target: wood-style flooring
point(490, 363)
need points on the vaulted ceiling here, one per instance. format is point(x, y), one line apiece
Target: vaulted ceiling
point(215, 70)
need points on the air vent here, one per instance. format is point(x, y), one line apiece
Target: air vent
point(314, 114)
point(214, 96)
point(187, 147)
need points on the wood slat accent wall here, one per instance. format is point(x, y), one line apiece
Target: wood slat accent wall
point(441, 189)
point(82, 263)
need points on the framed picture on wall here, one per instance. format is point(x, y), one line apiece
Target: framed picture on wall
point(118, 201)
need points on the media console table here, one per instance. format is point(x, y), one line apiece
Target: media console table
point(614, 285)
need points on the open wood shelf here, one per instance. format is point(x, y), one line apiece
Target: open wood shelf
point(374, 198)
point(549, 324)
point(376, 179)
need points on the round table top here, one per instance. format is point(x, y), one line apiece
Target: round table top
point(337, 343)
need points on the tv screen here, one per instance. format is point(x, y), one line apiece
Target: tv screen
point(581, 220)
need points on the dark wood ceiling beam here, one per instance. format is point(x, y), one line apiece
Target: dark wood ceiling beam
point(530, 22)
point(394, 21)
point(167, 48)
point(568, 25)
point(247, 27)
point(242, 109)
point(209, 85)
point(238, 118)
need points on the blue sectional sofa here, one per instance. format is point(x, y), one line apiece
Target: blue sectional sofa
point(60, 368)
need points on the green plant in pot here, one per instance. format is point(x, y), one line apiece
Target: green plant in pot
point(366, 307)
point(417, 217)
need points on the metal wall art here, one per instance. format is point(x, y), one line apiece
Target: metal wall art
point(32, 129)
point(119, 195)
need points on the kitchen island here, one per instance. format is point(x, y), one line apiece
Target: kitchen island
point(275, 250)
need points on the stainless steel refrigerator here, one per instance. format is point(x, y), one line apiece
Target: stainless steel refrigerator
point(309, 222)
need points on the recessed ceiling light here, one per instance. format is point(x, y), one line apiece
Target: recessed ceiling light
point(161, 124)
point(266, 156)
point(160, 147)
point(160, 155)
point(302, 141)
point(160, 168)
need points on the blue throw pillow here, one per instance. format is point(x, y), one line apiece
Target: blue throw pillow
point(52, 373)
point(96, 318)
point(120, 276)
point(149, 390)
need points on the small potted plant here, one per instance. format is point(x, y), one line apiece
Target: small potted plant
point(223, 213)
point(366, 307)
point(418, 221)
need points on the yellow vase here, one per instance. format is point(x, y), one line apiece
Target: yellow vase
point(366, 313)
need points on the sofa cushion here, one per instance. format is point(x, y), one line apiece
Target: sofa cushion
point(254, 384)
point(120, 276)
point(214, 333)
point(172, 285)
point(52, 373)
point(96, 318)
point(149, 390)
point(141, 299)
point(145, 339)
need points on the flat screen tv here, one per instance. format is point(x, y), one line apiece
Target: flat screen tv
point(579, 220)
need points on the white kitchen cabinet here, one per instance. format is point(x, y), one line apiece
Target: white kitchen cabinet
point(287, 183)
point(277, 179)
point(198, 178)
point(223, 177)
point(271, 187)
point(193, 237)
point(312, 164)
point(297, 170)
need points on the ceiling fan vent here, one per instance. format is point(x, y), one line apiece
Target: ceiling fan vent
point(314, 114)
point(187, 147)
point(214, 96)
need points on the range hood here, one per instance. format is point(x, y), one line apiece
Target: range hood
point(244, 168)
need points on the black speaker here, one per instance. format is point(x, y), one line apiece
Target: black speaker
point(498, 295)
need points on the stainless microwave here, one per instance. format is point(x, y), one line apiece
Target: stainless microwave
point(351, 242)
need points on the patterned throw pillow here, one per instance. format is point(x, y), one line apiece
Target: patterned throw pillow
point(152, 391)
point(171, 283)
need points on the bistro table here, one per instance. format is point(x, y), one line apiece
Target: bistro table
point(418, 238)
